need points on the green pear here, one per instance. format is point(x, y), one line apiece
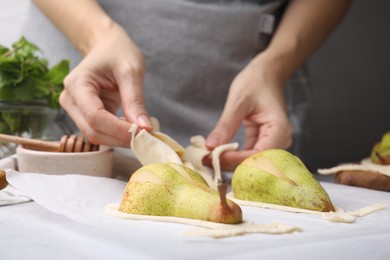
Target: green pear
point(380, 153)
point(171, 189)
point(276, 176)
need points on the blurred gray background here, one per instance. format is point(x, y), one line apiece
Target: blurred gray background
point(350, 76)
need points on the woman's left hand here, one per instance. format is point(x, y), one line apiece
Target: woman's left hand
point(256, 99)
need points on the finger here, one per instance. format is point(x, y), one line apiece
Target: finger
point(227, 125)
point(251, 133)
point(109, 124)
point(96, 116)
point(112, 130)
point(229, 160)
point(277, 135)
point(269, 136)
point(132, 97)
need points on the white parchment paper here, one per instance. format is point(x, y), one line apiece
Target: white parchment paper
point(83, 199)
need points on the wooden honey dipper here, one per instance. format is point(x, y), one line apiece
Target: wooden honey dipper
point(67, 144)
point(3, 180)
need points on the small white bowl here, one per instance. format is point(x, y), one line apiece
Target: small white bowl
point(99, 163)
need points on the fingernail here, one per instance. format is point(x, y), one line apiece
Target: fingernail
point(213, 141)
point(143, 121)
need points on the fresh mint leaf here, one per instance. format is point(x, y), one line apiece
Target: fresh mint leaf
point(57, 73)
point(25, 49)
point(25, 76)
point(3, 49)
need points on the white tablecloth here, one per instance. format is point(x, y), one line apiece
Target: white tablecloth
point(67, 220)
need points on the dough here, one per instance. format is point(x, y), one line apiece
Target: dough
point(366, 165)
point(366, 175)
point(210, 229)
point(338, 216)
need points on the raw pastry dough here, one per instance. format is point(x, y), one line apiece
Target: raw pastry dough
point(215, 154)
point(338, 216)
point(273, 228)
point(366, 165)
point(157, 150)
point(263, 205)
point(210, 229)
point(368, 210)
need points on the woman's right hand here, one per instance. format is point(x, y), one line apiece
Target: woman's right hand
point(110, 76)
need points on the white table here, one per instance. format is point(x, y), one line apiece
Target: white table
point(33, 231)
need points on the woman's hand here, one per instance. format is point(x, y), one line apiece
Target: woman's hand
point(255, 99)
point(256, 96)
point(110, 76)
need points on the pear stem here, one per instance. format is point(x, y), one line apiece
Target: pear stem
point(222, 190)
point(381, 159)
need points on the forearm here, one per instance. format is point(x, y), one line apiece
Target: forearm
point(304, 27)
point(83, 22)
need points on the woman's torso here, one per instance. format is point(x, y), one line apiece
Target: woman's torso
point(193, 50)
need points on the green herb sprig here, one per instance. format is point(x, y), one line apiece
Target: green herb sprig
point(26, 77)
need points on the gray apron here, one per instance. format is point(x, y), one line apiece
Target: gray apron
point(193, 50)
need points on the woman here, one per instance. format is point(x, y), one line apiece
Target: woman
point(200, 67)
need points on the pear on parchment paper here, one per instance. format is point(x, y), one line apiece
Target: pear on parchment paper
point(171, 189)
point(276, 176)
point(380, 153)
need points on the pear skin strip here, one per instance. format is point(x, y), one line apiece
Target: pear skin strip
point(211, 229)
point(215, 159)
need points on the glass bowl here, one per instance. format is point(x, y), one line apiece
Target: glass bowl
point(31, 120)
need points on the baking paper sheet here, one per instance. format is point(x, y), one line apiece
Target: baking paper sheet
point(83, 199)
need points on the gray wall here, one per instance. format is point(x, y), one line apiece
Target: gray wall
point(12, 15)
point(351, 87)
